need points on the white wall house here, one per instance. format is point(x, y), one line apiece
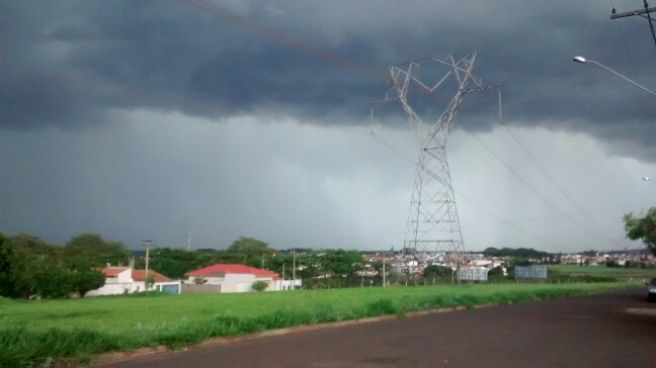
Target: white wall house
point(126, 280)
point(237, 278)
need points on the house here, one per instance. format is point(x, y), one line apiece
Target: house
point(238, 278)
point(127, 280)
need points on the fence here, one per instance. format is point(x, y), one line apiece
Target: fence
point(531, 272)
point(194, 289)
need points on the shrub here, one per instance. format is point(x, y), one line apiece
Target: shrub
point(260, 285)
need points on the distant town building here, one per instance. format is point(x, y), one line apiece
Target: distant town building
point(531, 272)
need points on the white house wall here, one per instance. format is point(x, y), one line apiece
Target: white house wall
point(208, 280)
point(125, 276)
point(110, 289)
point(240, 277)
point(240, 283)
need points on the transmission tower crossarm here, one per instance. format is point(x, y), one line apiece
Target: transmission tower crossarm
point(410, 77)
point(481, 89)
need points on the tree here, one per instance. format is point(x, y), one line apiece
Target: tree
point(49, 271)
point(32, 254)
point(150, 281)
point(84, 281)
point(643, 228)
point(90, 250)
point(26, 245)
point(52, 281)
point(260, 285)
point(8, 269)
point(341, 265)
point(174, 263)
point(514, 252)
point(435, 272)
point(279, 262)
point(495, 273)
point(248, 251)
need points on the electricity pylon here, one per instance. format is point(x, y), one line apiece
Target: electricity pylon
point(433, 222)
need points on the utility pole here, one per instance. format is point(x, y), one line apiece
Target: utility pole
point(147, 243)
point(645, 12)
point(189, 241)
point(294, 270)
point(640, 12)
point(384, 279)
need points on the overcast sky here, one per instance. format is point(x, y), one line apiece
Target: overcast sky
point(147, 119)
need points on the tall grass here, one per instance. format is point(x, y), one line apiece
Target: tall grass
point(35, 332)
point(582, 273)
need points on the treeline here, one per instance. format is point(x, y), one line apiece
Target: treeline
point(31, 268)
point(317, 268)
point(515, 252)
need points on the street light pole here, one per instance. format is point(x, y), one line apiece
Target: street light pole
point(582, 60)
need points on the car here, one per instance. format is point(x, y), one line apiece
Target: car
point(651, 290)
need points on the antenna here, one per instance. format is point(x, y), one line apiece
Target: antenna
point(433, 217)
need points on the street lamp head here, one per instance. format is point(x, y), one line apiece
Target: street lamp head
point(645, 178)
point(579, 59)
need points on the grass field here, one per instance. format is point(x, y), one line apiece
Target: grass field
point(37, 331)
point(619, 273)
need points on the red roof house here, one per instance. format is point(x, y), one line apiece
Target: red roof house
point(221, 270)
point(127, 280)
point(113, 271)
point(140, 275)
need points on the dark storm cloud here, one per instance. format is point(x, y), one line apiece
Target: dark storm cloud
point(67, 62)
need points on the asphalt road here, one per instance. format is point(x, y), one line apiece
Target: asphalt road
point(608, 330)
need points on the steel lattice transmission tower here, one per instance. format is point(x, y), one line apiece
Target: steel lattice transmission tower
point(433, 218)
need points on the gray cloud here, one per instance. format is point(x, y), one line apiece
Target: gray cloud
point(161, 175)
point(68, 62)
point(147, 118)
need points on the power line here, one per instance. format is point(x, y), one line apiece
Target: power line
point(466, 198)
point(537, 193)
point(544, 170)
point(350, 65)
point(285, 39)
point(559, 217)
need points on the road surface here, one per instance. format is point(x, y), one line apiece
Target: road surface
point(609, 330)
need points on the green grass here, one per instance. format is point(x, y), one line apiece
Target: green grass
point(618, 273)
point(37, 331)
